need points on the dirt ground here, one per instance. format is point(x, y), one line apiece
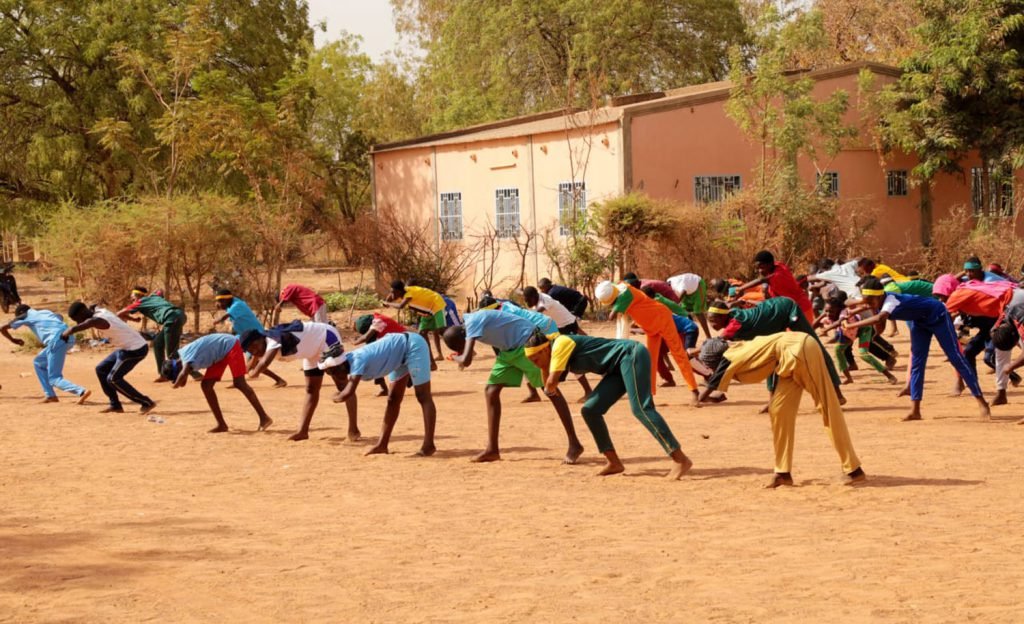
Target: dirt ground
point(118, 519)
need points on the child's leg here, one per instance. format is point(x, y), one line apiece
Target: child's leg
point(55, 356)
point(609, 390)
point(43, 373)
point(864, 337)
point(103, 374)
point(395, 396)
point(426, 400)
point(314, 381)
point(254, 401)
point(663, 369)
point(840, 351)
point(211, 400)
point(351, 406)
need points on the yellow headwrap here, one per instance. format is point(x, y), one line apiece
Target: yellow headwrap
point(528, 351)
point(714, 310)
point(139, 293)
point(223, 297)
point(871, 292)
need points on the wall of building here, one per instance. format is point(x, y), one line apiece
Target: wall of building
point(412, 180)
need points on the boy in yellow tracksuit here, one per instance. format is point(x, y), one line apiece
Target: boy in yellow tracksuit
point(798, 361)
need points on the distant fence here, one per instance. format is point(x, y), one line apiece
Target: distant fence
point(15, 249)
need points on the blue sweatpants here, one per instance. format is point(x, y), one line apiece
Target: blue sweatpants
point(49, 365)
point(921, 332)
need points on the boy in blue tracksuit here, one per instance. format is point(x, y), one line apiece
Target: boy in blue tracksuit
point(49, 363)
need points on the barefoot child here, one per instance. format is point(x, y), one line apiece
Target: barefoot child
point(49, 363)
point(370, 327)
point(130, 348)
point(625, 367)
point(214, 353)
point(799, 364)
point(242, 320)
point(305, 300)
point(406, 357)
point(507, 334)
point(929, 319)
point(430, 307)
point(861, 336)
point(771, 316)
point(656, 321)
point(318, 345)
point(168, 316)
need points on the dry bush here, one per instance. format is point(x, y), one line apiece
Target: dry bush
point(960, 235)
point(401, 248)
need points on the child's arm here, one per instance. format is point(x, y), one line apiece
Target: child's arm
point(551, 385)
point(182, 379)
point(221, 320)
point(264, 364)
point(871, 320)
point(93, 323)
point(350, 389)
point(751, 284)
point(465, 358)
point(400, 305)
point(370, 335)
point(5, 330)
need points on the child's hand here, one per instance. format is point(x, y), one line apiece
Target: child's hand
point(18, 341)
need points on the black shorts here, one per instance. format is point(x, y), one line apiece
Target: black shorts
point(574, 328)
point(580, 308)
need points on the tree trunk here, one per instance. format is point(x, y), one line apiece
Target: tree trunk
point(926, 213)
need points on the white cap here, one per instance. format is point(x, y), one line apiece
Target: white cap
point(605, 292)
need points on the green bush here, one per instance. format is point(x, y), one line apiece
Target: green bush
point(342, 301)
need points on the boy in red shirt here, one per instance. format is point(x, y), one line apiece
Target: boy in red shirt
point(305, 300)
point(780, 281)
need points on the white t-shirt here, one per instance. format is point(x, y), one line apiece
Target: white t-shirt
point(685, 284)
point(555, 311)
point(890, 304)
point(313, 341)
point(120, 334)
point(844, 276)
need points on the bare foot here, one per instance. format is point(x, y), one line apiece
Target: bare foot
point(573, 454)
point(780, 479)
point(1021, 421)
point(161, 379)
point(855, 477)
point(892, 380)
point(583, 399)
point(298, 436)
point(426, 450)
point(280, 384)
point(112, 410)
point(145, 409)
point(842, 399)
point(83, 397)
point(1000, 398)
point(904, 392)
point(377, 449)
point(50, 400)
point(613, 467)
point(911, 416)
point(218, 429)
point(668, 384)
point(717, 397)
point(680, 469)
point(764, 410)
point(354, 436)
point(985, 412)
point(533, 398)
point(382, 393)
point(487, 456)
point(433, 365)
point(265, 424)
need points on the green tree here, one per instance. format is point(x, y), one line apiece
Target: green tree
point(777, 109)
point(488, 59)
point(627, 222)
point(963, 90)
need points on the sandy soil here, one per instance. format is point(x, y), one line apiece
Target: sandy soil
point(118, 519)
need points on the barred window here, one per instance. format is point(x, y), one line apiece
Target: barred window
point(828, 183)
point(711, 189)
point(450, 215)
point(572, 206)
point(1000, 192)
point(506, 212)
point(896, 182)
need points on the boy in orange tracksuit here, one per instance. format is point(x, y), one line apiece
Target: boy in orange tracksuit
point(656, 321)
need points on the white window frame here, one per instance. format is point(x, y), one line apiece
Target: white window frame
point(572, 196)
point(711, 189)
point(450, 215)
point(506, 212)
point(831, 187)
point(897, 183)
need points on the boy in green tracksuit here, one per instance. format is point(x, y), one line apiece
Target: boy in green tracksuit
point(168, 316)
point(626, 369)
